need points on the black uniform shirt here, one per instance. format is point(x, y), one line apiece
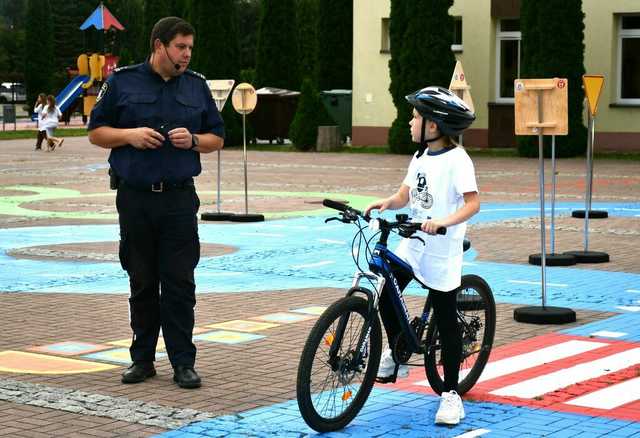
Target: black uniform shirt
point(136, 96)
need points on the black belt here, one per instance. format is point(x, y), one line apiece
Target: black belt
point(159, 187)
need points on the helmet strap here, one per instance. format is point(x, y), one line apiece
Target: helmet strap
point(425, 142)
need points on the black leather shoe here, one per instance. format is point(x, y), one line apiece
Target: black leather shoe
point(138, 372)
point(186, 377)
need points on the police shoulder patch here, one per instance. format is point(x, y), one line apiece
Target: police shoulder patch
point(196, 74)
point(102, 92)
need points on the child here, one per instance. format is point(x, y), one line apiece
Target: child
point(50, 116)
point(440, 188)
point(42, 133)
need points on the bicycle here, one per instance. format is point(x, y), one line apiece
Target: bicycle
point(348, 335)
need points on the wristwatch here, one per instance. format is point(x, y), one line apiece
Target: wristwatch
point(194, 141)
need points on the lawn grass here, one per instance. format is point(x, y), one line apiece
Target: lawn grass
point(32, 133)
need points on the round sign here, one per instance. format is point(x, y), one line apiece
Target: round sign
point(244, 98)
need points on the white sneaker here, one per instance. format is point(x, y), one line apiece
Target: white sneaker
point(451, 410)
point(388, 365)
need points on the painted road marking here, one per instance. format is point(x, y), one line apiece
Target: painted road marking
point(537, 283)
point(337, 242)
point(610, 397)
point(608, 334)
point(532, 359)
point(633, 291)
point(473, 433)
point(560, 379)
point(629, 308)
point(313, 265)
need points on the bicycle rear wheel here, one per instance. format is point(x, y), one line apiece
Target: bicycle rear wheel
point(477, 317)
point(331, 391)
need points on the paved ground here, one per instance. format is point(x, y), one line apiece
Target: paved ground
point(261, 287)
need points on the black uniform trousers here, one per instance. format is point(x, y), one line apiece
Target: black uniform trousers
point(160, 248)
point(446, 316)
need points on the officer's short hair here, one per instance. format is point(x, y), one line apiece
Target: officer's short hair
point(167, 28)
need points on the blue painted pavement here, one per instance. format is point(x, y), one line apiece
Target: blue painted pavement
point(404, 414)
point(304, 253)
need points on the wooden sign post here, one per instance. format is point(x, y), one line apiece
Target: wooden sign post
point(592, 87)
point(220, 91)
point(462, 89)
point(244, 100)
point(541, 109)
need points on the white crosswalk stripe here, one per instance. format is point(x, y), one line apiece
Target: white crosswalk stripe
point(610, 397)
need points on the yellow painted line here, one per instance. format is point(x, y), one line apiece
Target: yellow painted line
point(33, 363)
point(243, 326)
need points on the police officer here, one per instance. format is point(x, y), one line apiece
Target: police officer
point(157, 118)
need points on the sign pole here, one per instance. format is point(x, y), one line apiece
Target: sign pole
point(220, 90)
point(592, 86)
point(536, 99)
point(244, 101)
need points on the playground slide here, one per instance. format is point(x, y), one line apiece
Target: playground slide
point(71, 91)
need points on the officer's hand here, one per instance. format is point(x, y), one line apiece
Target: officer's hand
point(145, 138)
point(181, 138)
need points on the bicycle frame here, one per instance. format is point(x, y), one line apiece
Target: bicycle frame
point(382, 265)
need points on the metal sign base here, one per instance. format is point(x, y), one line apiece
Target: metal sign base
point(589, 256)
point(593, 214)
point(544, 315)
point(217, 216)
point(249, 217)
point(552, 259)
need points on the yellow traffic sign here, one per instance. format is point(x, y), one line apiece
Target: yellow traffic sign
point(592, 87)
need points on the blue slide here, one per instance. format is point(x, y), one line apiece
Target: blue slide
point(71, 91)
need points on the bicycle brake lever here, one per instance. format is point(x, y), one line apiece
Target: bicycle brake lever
point(418, 238)
point(332, 219)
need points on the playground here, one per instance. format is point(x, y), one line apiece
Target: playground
point(261, 286)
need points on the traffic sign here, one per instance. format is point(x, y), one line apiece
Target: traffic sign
point(220, 90)
point(244, 98)
point(592, 87)
point(460, 86)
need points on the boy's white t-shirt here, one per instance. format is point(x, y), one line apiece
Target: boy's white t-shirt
point(437, 184)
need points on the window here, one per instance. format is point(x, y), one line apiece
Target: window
point(385, 43)
point(629, 59)
point(457, 34)
point(508, 58)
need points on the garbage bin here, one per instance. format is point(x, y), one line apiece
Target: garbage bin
point(338, 105)
point(274, 113)
point(8, 115)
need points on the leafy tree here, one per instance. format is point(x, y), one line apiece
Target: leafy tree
point(217, 53)
point(248, 22)
point(127, 42)
point(307, 19)
point(277, 57)
point(425, 58)
point(154, 10)
point(335, 44)
point(310, 114)
point(39, 46)
point(553, 46)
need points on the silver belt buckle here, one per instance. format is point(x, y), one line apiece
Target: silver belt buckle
point(157, 187)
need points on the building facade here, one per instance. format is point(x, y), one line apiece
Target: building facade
point(487, 42)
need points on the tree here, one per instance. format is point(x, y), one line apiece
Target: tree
point(217, 52)
point(307, 19)
point(424, 58)
point(310, 114)
point(39, 47)
point(154, 10)
point(553, 46)
point(127, 42)
point(277, 57)
point(335, 44)
point(248, 22)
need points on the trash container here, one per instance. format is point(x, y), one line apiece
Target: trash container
point(338, 105)
point(8, 115)
point(274, 113)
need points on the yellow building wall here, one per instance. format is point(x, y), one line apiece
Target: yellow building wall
point(372, 104)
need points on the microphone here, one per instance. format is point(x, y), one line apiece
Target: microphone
point(175, 64)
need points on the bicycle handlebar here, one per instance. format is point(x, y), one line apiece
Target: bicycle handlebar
point(404, 225)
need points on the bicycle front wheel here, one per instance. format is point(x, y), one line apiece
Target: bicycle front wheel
point(332, 388)
point(477, 319)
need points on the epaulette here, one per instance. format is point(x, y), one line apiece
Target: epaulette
point(126, 67)
point(196, 74)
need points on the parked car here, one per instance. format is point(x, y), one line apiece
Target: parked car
point(12, 92)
